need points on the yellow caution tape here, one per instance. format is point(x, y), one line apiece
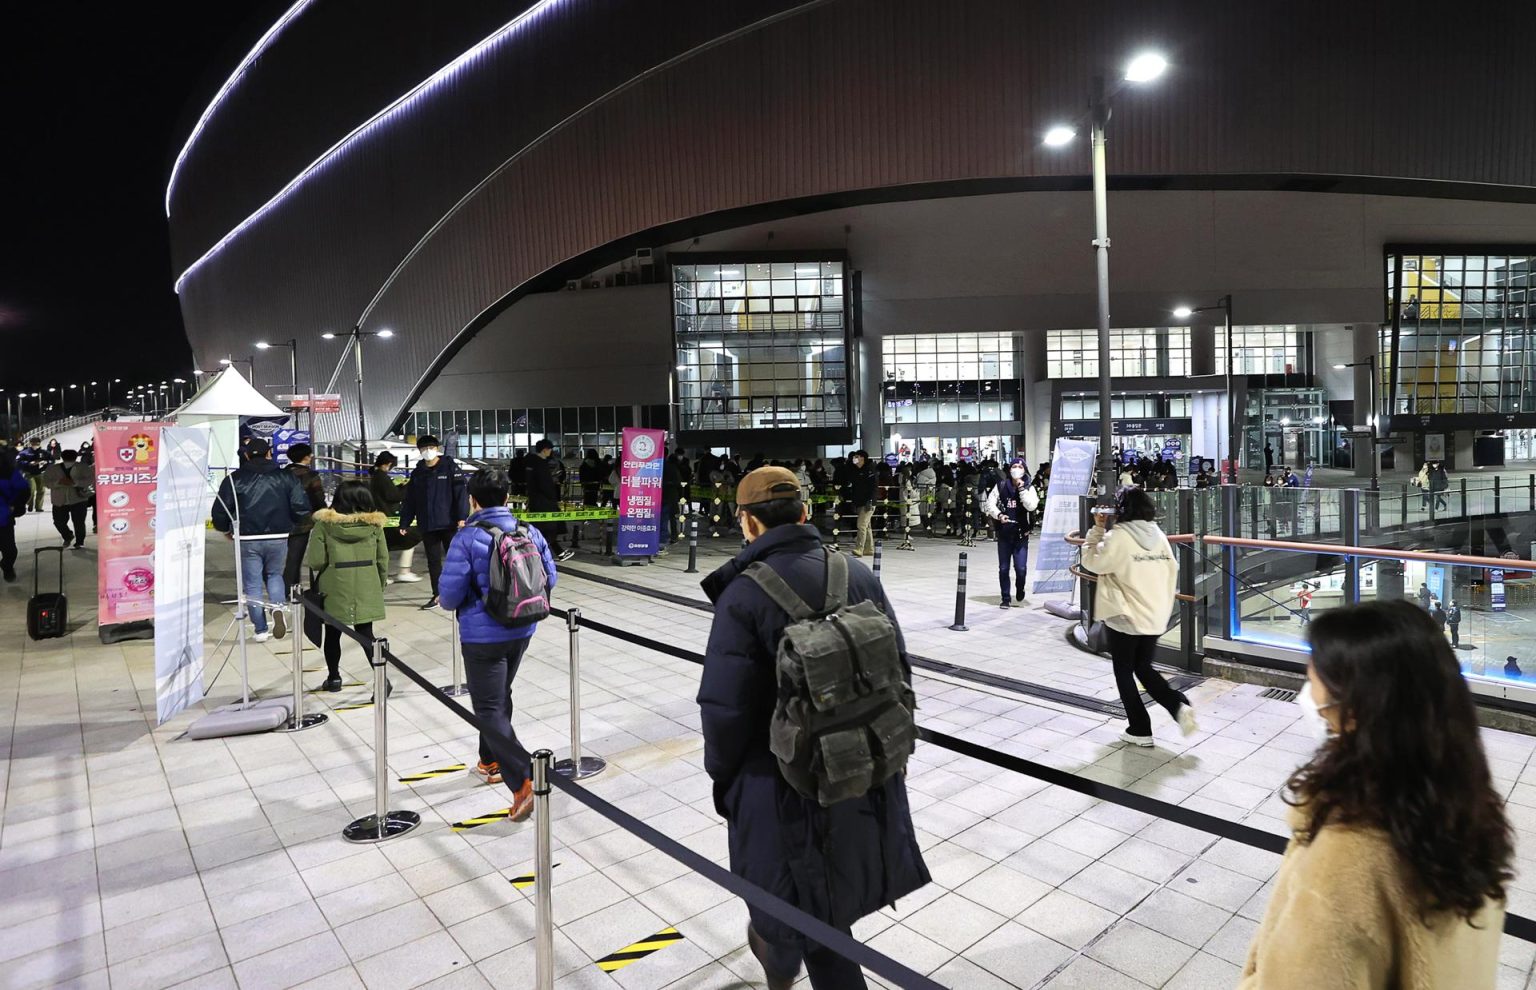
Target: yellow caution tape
point(489, 818)
point(639, 950)
point(527, 879)
point(457, 768)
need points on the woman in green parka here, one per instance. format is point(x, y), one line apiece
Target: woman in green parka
point(350, 564)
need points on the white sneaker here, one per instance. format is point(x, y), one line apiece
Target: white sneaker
point(1187, 723)
point(406, 577)
point(261, 637)
point(1145, 741)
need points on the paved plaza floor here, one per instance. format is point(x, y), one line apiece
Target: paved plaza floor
point(133, 857)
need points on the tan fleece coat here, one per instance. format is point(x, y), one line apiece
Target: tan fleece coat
point(1341, 917)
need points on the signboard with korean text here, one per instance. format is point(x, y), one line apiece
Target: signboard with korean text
point(1496, 599)
point(327, 403)
point(640, 508)
point(127, 462)
point(1071, 478)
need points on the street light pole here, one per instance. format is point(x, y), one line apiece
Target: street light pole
point(1371, 417)
point(1107, 472)
point(357, 334)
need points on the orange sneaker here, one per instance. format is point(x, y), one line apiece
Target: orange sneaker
point(522, 803)
point(489, 772)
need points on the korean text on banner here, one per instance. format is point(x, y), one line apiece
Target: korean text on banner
point(181, 504)
point(127, 461)
point(1071, 478)
point(640, 492)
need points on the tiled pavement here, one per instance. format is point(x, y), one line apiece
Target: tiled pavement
point(132, 857)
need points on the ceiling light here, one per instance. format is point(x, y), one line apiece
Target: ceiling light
point(1145, 67)
point(1060, 135)
point(1183, 312)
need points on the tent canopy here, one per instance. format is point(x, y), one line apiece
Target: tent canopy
point(227, 394)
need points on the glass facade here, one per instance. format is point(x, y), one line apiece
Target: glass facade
point(1134, 353)
point(760, 344)
point(950, 378)
point(1465, 331)
point(495, 434)
point(1260, 350)
point(1292, 421)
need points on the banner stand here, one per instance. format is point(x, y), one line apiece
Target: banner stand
point(640, 500)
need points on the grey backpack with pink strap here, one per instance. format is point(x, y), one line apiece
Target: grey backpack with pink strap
point(517, 590)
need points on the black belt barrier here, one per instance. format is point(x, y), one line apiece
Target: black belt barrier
point(780, 910)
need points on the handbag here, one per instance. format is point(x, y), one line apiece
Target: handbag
point(314, 626)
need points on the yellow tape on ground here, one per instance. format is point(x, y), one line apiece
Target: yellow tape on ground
point(527, 879)
point(457, 768)
point(351, 708)
point(639, 950)
point(489, 818)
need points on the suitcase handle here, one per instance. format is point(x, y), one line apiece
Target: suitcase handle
point(36, 568)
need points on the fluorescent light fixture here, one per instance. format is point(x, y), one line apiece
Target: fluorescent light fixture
point(1145, 67)
point(1340, 367)
point(1285, 421)
point(367, 128)
point(327, 336)
point(262, 345)
point(1183, 312)
point(1059, 135)
point(386, 333)
point(229, 84)
point(807, 271)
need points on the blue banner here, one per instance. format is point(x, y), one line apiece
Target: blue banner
point(1071, 478)
point(285, 438)
point(640, 496)
point(1496, 589)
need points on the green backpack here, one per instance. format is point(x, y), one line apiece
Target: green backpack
point(843, 722)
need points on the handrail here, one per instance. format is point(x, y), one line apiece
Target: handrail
point(1075, 538)
point(1504, 563)
point(1076, 571)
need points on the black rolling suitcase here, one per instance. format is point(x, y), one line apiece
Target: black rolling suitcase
point(47, 613)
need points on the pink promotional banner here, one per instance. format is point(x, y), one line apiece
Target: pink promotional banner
point(640, 508)
point(127, 463)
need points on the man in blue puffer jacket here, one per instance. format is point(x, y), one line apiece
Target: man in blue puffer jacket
point(492, 651)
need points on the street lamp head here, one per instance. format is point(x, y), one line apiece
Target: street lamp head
point(1059, 135)
point(224, 361)
point(179, 381)
point(386, 333)
point(1183, 312)
point(1145, 67)
point(328, 336)
point(195, 371)
point(1340, 367)
point(262, 345)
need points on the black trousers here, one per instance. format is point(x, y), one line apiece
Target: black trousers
point(827, 970)
point(297, 544)
point(1132, 657)
point(436, 541)
point(8, 547)
point(489, 669)
point(551, 531)
point(332, 647)
point(65, 515)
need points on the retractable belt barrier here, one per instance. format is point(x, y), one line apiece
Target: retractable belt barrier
point(1518, 926)
point(503, 746)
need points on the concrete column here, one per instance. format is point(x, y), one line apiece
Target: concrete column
point(870, 372)
point(1365, 345)
point(1461, 454)
point(1029, 358)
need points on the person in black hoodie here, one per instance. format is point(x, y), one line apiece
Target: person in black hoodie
point(544, 495)
point(591, 475)
point(389, 497)
point(861, 493)
point(300, 456)
point(435, 499)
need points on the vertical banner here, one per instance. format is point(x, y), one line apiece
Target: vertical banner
point(1496, 589)
point(181, 504)
point(1071, 478)
point(127, 460)
point(640, 492)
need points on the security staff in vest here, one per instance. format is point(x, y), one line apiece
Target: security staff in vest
point(840, 862)
point(437, 500)
point(1011, 504)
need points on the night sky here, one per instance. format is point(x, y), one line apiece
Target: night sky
point(94, 98)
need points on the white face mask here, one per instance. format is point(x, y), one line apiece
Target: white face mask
point(431, 454)
point(1016, 473)
point(1312, 714)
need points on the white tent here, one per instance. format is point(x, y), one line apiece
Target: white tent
point(217, 407)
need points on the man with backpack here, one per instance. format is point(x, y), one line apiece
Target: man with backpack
point(497, 576)
point(811, 784)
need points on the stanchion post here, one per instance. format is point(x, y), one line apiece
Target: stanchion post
point(1404, 511)
point(383, 823)
point(714, 513)
point(1186, 555)
point(959, 625)
point(693, 545)
point(543, 880)
point(1464, 498)
point(879, 549)
point(297, 720)
point(1496, 498)
point(837, 514)
point(456, 687)
point(578, 767)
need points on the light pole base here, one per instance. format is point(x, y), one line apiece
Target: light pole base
point(590, 766)
point(303, 722)
point(396, 823)
point(454, 690)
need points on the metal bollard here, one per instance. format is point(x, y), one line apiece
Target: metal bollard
point(383, 823)
point(879, 547)
point(906, 526)
point(716, 508)
point(608, 525)
point(543, 907)
point(297, 720)
point(578, 767)
point(837, 511)
point(959, 625)
point(457, 687)
point(968, 535)
point(693, 545)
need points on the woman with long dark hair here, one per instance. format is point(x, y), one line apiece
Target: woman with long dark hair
point(1396, 872)
point(350, 563)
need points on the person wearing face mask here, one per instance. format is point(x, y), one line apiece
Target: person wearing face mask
point(1134, 597)
point(436, 500)
point(861, 480)
point(1398, 866)
point(1011, 505)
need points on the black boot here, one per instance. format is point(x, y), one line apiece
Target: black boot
point(332, 682)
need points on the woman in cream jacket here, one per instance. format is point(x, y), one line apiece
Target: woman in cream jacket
point(1134, 598)
point(1395, 876)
